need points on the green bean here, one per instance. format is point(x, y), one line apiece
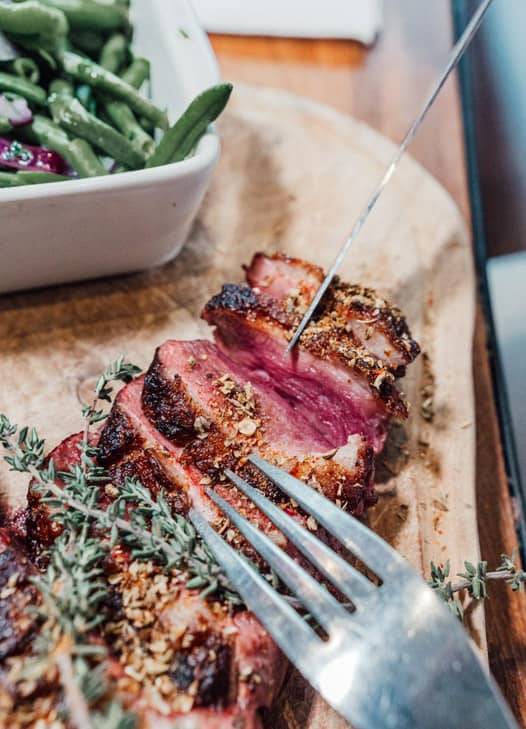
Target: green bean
point(30, 177)
point(87, 41)
point(45, 27)
point(21, 87)
point(9, 179)
point(114, 53)
point(89, 15)
point(181, 138)
point(69, 113)
point(122, 117)
point(137, 72)
point(26, 68)
point(5, 126)
point(85, 95)
point(84, 70)
point(77, 152)
point(60, 88)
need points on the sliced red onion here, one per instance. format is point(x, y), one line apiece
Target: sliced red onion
point(16, 111)
point(25, 157)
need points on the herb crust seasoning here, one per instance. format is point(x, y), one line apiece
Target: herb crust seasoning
point(127, 620)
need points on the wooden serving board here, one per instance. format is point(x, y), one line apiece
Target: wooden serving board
point(293, 176)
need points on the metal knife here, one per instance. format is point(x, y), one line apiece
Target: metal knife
point(454, 57)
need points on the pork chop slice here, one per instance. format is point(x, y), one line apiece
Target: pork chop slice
point(342, 389)
point(206, 387)
point(359, 315)
point(195, 455)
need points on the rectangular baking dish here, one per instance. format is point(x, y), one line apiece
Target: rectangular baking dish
point(67, 231)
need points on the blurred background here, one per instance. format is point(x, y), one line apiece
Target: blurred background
point(498, 105)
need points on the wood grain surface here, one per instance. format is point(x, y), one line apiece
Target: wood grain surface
point(416, 253)
point(384, 86)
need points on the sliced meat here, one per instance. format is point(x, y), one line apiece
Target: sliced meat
point(349, 314)
point(128, 428)
point(235, 418)
point(345, 393)
point(320, 413)
point(199, 463)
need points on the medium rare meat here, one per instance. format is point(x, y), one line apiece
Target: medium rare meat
point(321, 413)
point(332, 376)
point(192, 419)
point(238, 418)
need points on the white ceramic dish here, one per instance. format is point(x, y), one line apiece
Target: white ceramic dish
point(68, 231)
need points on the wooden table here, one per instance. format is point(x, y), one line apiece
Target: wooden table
point(384, 86)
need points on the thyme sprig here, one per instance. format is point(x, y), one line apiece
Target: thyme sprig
point(155, 525)
point(29, 451)
point(72, 593)
point(149, 529)
point(71, 588)
point(118, 371)
point(474, 580)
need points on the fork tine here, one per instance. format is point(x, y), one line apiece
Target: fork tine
point(346, 578)
point(295, 638)
point(316, 599)
point(355, 536)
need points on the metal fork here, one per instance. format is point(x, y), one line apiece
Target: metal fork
point(398, 660)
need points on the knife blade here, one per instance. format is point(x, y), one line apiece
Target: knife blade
point(454, 57)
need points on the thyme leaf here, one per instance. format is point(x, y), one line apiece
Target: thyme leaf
point(475, 580)
point(118, 371)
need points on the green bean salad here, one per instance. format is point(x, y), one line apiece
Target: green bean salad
point(71, 95)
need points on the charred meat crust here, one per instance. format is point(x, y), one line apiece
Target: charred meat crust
point(167, 405)
point(41, 531)
point(144, 466)
point(348, 302)
point(240, 298)
point(207, 662)
point(16, 627)
point(116, 438)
